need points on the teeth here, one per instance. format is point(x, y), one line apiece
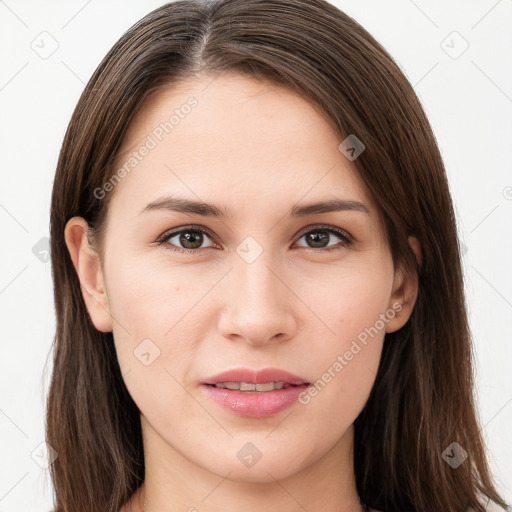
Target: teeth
point(247, 386)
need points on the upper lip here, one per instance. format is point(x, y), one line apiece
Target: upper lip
point(256, 376)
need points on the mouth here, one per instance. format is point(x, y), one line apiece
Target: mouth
point(255, 394)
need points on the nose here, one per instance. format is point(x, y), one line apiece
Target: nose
point(257, 305)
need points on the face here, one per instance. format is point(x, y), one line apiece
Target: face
point(189, 296)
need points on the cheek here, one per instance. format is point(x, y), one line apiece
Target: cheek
point(353, 311)
point(348, 300)
point(154, 335)
point(152, 310)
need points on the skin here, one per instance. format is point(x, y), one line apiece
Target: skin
point(258, 149)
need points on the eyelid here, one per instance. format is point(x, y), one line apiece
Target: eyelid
point(345, 236)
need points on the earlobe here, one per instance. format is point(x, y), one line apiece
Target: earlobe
point(405, 292)
point(90, 274)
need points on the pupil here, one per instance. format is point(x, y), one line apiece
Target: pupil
point(187, 238)
point(316, 238)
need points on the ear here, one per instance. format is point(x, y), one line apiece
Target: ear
point(405, 292)
point(90, 274)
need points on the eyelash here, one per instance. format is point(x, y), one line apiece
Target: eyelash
point(345, 237)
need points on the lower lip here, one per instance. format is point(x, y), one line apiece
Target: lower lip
point(255, 404)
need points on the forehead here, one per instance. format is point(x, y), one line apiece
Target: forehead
point(231, 138)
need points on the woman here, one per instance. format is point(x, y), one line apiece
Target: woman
point(257, 277)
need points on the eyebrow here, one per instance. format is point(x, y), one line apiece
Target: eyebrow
point(189, 206)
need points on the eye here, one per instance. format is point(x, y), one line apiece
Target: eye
point(320, 236)
point(191, 239)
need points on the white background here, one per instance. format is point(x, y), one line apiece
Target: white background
point(468, 100)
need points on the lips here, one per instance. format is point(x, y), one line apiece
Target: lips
point(256, 377)
point(254, 404)
point(262, 401)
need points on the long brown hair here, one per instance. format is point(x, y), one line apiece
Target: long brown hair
point(422, 399)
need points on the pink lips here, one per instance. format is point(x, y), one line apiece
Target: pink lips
point(255, 404)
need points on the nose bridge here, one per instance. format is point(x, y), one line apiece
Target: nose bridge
point(259, 288)
point(258, 305)
point(252, 270)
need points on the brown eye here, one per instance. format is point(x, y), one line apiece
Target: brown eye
point(188, 240)
point(319, 238)
point(191, 239)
